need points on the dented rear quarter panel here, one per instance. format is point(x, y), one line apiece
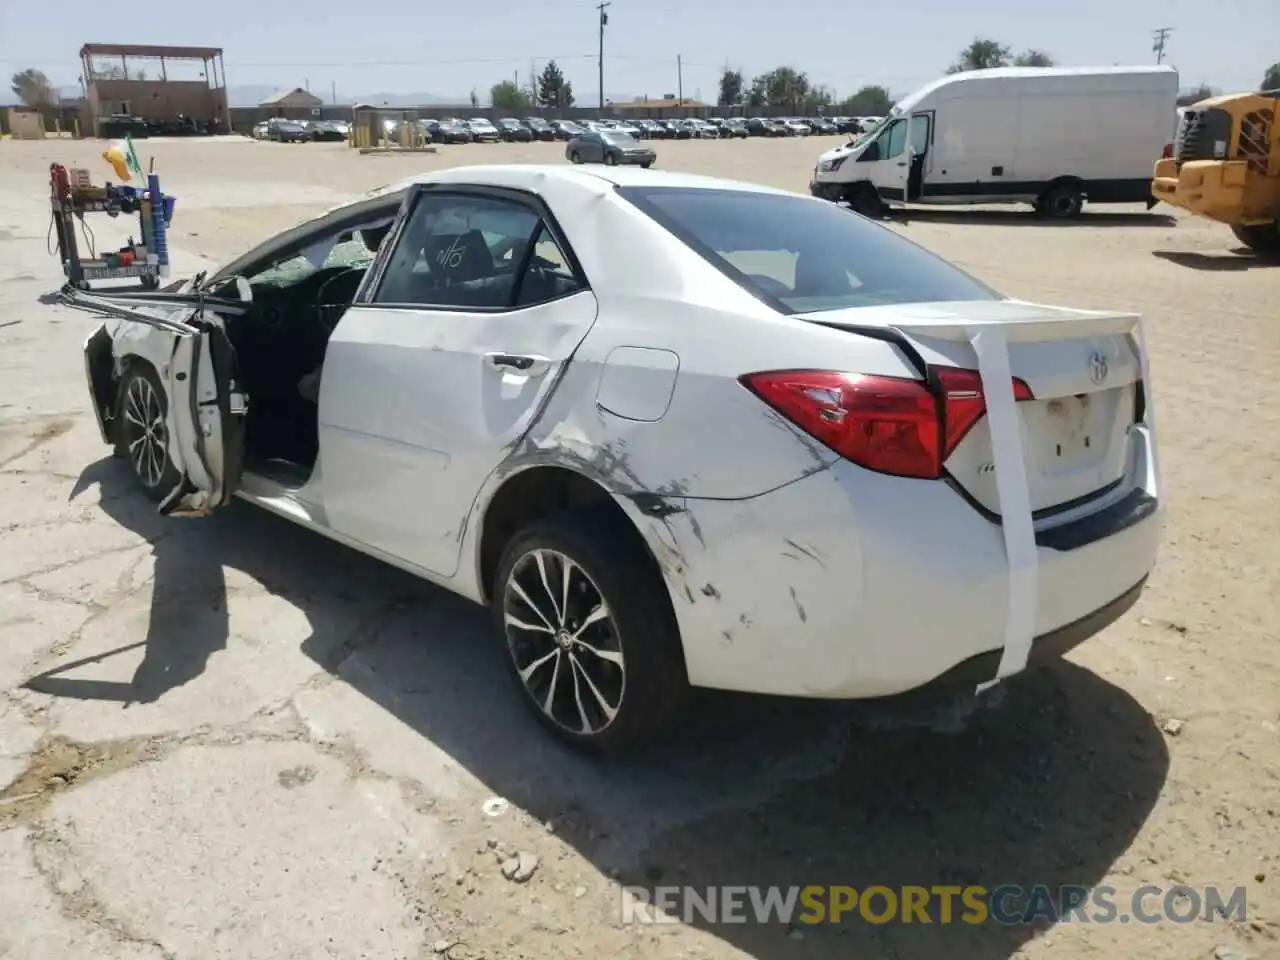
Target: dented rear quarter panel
point(717, 444)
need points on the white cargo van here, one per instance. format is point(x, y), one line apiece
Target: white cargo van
point(1053, 137)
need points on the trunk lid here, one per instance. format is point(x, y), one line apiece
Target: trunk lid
point(1084, 372)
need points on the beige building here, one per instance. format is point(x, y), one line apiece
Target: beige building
point(291, 101)
point(134, 79)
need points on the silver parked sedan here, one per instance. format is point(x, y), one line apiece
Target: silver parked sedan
point(608, 146)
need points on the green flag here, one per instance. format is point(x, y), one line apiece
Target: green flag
point(131, 157)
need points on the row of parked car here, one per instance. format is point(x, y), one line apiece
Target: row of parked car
point(528, 129)
point(301, 131)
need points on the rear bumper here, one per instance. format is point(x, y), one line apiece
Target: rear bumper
point(850, 584)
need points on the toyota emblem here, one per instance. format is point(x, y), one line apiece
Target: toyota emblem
point(1097, 367)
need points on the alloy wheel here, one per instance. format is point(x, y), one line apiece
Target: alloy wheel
point(563, 642)
point(146, 436)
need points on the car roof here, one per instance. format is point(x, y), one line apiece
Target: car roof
point(530, 176)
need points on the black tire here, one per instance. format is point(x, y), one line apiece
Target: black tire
point(864, 198)
point(1261, 238)
point(1062, 201)
point(640, 627)
point(156, 482)
point(647, 164)
point(610, 160)
point(575, 157)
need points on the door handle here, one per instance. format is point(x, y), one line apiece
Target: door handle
point(522, 363)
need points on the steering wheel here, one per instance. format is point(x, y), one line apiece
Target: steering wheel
point(329, 313)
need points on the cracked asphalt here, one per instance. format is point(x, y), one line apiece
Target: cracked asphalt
point(228, 737)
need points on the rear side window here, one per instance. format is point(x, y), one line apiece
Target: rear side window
point(802, 255)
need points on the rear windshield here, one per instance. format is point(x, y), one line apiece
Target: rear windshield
point(802, 255)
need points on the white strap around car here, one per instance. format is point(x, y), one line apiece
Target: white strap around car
point(992, 348)
point(991, 345)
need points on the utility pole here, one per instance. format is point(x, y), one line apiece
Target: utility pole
point(679, 80)
point(604, 19)
point(1161, 37)
point(333, 92)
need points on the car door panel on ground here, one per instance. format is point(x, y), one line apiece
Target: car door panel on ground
point(437, 373)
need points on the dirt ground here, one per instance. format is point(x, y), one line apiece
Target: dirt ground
point(231, 738)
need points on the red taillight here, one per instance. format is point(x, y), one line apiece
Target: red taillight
point(1168, 151)
point(887, 424)
point(963, 403)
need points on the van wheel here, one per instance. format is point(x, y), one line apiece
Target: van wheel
point(1263, 238)
point(592, 642)
point(864, 198)
point(143, 436)
point(1061, 201)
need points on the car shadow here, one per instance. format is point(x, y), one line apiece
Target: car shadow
point(1239, 259)
point(1028, 218)
point(1049, 787)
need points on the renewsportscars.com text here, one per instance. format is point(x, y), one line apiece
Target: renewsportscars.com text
point(1009, 905)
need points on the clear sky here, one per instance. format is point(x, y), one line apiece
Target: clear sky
point(451, 48)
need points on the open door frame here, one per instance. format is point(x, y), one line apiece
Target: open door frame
point(206, 407)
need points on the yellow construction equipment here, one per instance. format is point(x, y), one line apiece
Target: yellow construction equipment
point(1226, 166)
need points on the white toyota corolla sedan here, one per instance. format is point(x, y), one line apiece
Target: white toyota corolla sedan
point(675, 431)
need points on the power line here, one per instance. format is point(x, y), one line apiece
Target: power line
point(1160, 37)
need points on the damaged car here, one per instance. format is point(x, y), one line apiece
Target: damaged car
point(673, 431)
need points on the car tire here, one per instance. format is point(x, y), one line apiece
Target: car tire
point(639, 685)
point(1062, 201)
point(575, 157)
point(647, 164)
point(610, 160)
point(141, 403)
point(864, 198)
point(1261, 238)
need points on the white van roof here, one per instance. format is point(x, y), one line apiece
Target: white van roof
point(1013, 73)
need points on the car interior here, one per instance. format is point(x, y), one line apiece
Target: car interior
point(298, 296)
point(467, 258)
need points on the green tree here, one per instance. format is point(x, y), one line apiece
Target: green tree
point(868, 102)
point(780, 87)
point(553, 89)
point(1033, 58)
point(33, 88)
point(982, 54)
point(731, 87)
point(508, 95)
point(819, 96)
point(475, 98)
point(1271, 79)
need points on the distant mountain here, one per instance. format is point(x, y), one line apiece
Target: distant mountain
point(250, 95)
point(9, 99)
